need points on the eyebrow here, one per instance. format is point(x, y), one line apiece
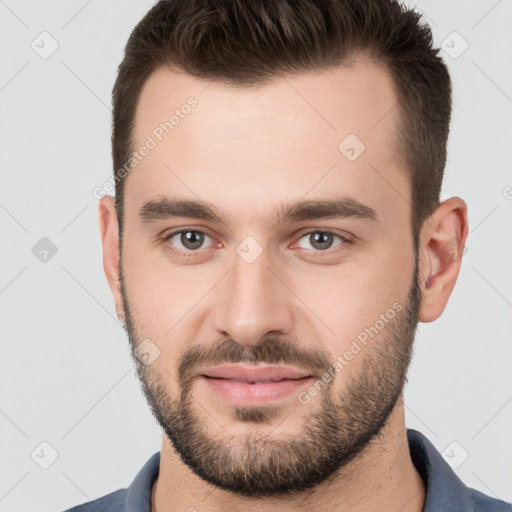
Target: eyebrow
point(340, 208)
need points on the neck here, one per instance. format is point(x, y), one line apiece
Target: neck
point(381, 478)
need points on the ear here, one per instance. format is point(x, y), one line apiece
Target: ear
point(109, 228)
point(442, 240)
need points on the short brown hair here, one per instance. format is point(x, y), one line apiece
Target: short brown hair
point(247, 43)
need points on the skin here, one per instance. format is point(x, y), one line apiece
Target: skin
point(247, 151)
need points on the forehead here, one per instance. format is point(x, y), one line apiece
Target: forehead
point(311, 134)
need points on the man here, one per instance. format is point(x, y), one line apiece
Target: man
point(275, 238)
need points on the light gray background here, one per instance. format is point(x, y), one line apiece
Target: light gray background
point(66, 376)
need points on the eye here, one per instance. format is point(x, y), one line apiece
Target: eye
point(322, 240)
point(190, 240)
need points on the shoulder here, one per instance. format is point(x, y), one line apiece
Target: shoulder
point(113, 502)
point(484, 503)
point(136, 497)
point(445, 490)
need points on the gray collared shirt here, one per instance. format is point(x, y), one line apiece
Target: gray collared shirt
point(445, 491)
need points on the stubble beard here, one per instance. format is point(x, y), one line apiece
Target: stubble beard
point(336, 428)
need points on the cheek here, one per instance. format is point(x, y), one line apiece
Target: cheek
point(350, 298)
point(165, 303)
point(159, 291)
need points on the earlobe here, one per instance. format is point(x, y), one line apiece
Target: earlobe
point(109, 229)
point(442, 242)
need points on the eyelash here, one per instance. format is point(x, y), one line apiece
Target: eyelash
point(188, 253)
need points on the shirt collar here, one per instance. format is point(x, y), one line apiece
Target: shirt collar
point(138, 497)
point(444, 489)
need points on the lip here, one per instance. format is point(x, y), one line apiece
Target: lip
point(246, 386)
point(255, 374)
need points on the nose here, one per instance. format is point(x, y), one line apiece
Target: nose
point(253, 301)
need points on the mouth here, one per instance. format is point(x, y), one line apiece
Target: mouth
point(245, 386)
point(250, 374)
point(252, 382)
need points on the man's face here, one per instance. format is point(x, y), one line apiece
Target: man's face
point(326, 296)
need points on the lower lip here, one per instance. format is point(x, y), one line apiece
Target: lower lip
point(245, 393)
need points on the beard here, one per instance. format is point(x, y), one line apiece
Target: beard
point(335, 432)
